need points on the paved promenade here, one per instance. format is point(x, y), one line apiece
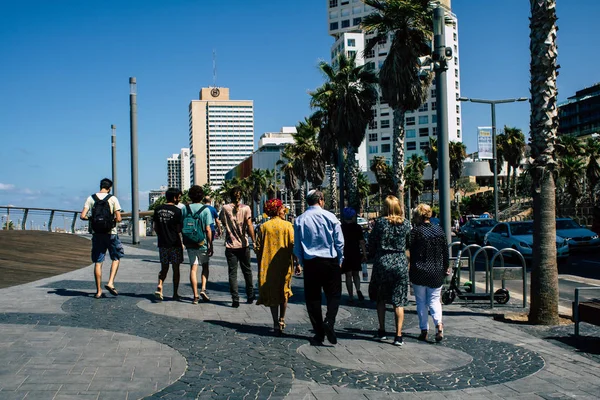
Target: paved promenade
point(58, 342)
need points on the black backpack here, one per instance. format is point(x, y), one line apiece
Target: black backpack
point(102, 218)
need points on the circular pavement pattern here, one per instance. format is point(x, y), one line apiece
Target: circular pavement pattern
point(234, 359)
point(77, 361)
point(384, 357)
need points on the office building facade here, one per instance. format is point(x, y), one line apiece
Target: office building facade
point(344, 19)
point(221, 135)
point(178, 170)
point(579, 115)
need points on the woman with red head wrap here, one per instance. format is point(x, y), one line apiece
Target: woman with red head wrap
point(274, 250)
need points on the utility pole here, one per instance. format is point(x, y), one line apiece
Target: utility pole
point(114, 159)
point(440, 66)
point(135, 212)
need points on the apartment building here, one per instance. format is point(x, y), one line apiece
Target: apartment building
point(178, 170)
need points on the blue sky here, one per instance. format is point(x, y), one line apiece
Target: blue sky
point(66, 65)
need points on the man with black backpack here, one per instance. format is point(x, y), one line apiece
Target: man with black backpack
point(103, 212)
point(197, 238)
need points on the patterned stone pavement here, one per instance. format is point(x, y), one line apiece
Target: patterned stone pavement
point(58, 342)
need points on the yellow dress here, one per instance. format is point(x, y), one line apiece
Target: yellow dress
point(274, 250)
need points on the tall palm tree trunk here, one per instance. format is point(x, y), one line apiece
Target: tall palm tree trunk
point(352, 178)
point(302, 197)
point(333, 189)
point(398, 159)
point(432, 186)
point(544, 125)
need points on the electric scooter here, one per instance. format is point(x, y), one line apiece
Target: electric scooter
point(501, 296)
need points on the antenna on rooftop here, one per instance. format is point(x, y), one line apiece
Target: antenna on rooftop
point(214, 68)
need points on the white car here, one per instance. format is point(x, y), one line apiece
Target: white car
point(519, 236)
point(362, 222)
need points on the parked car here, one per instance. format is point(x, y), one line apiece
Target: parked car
point(519, 236)
point(475, 229)
point(363, 223)
point(577, 236)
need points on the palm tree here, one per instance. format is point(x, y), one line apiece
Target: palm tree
point(257, 181)
point(364, 189)
point(543, 126)
point(572, 170)
point(513, 151)
point(272, 183)
point(286, 165)
point(431, 152)
point(458, 153)
point(328, 144)
point(403, 86)
point(347, 99)
point(568, 145)
point(379, 167)
point(592, 172)
point(414, 178)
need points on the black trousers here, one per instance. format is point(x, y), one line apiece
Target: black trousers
point(322, 274)
point(242, 256)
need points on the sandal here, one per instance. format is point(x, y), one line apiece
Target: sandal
point(204, 296)
point(196, 300)
point(439, 336)
point(158, 295)
point(112, 290)
point(281, 324)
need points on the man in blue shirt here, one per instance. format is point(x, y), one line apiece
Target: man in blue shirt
point(319, 247)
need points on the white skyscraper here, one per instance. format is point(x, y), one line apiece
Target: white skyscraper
point(344, 18)
point(221, 135)
point(178, 170)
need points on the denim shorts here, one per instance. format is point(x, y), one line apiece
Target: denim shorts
point(198, 256)
point(105, 241)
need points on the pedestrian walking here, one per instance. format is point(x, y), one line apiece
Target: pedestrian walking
point(355, 253)
point(319, 247)
point(274, 249)
point(167, 221)
point(429, 265)
point(236, 219)
point(103, 211)
point(198, 242)
point(215, 228)
point(389, 280)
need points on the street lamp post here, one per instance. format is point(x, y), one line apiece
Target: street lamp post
point(493, 103)
point(114, 159)
point(135, 212)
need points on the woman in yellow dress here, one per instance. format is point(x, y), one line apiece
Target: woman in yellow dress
point(274, 250)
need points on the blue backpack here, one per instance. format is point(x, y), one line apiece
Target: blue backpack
point(194, 233)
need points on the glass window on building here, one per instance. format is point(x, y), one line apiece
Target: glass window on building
point(456, 84)
point(457, 120)
point(423, 145)
point(386, 148)
point(385, 123)
point(433, 93)
point(345, 23)
point(457, 109)
point(351, 53)
point(385, 138)
point(433, 106)
point(333, 26)
point(423, 132)
point(434, 131)
point(351, 42)
point(410, 121)
point(424, 107)
point(411, 145)
point(345, 11)
point(372, 137)
point(423, 119)
point(434, 119)
point(373, 149)
point(454, 36)
point(456, 73)
point(373, 125)
point(458, 133)
point(411, 133)
point(333, 3)
point(356, 21)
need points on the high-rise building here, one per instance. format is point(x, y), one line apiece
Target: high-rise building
point(156, 194)
point(579, 115)
point(344, 18)
point(221, 135)
point(178, 170)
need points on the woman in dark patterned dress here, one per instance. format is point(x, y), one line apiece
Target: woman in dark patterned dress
point(389, 282)
point(429, 265)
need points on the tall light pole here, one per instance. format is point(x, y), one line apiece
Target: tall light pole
point(114, 159)
point(135, 212)
point(493, 103)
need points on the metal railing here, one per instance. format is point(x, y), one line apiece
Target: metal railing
point(47, 219)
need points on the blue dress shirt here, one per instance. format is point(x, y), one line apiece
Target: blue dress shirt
point(318, 233)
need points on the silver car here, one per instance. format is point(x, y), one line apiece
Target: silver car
point(577, 236)
point(475, 229)
point(519, 236)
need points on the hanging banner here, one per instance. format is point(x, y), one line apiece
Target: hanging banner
point(484, 142)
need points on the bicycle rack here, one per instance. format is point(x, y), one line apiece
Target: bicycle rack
point(487, 263)
point(507, 273)
point(463, 248)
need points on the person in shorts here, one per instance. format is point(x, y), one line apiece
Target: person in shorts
point(167, 222)
point(199, 253)
point(101, 242)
